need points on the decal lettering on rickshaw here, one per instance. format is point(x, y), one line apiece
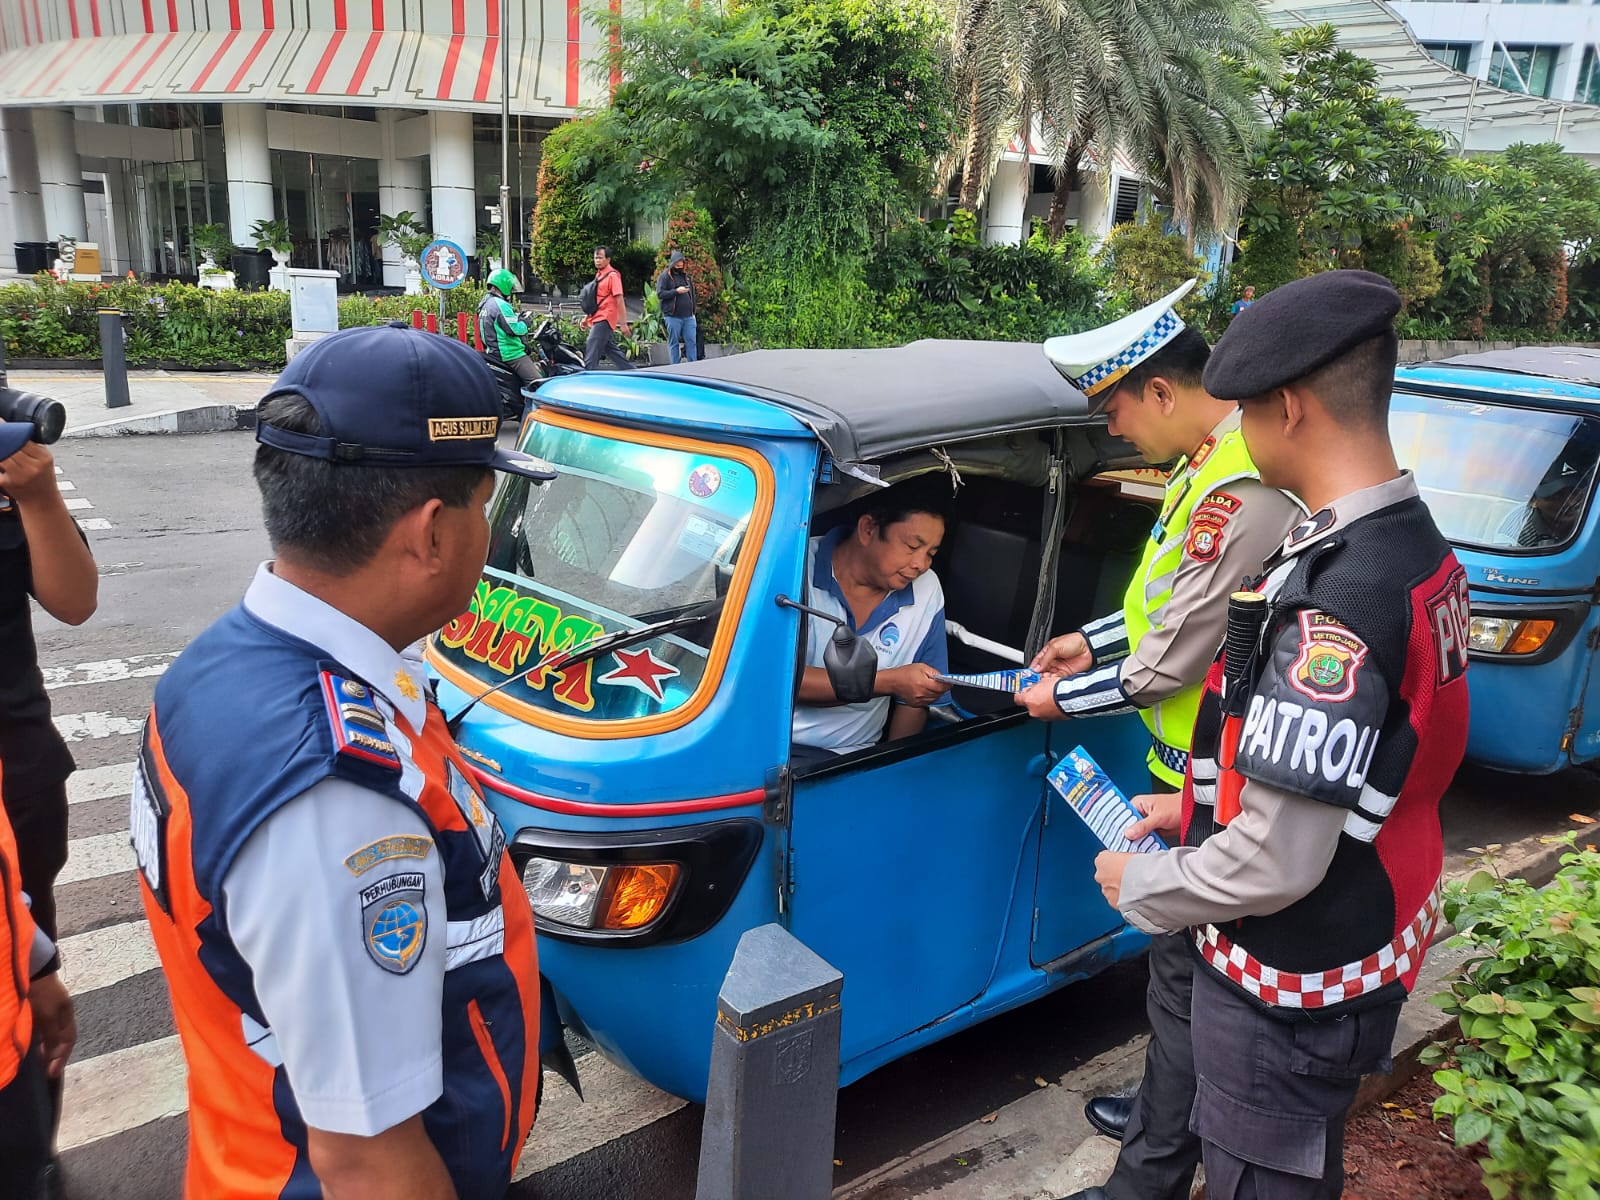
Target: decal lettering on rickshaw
point(502, 628)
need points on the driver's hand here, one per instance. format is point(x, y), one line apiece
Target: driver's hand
point(918, 684)
point(1068, 654)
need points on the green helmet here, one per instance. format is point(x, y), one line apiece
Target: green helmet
point(504, 282)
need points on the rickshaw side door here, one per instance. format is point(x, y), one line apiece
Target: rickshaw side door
point(906, 871)
point(1069, 909)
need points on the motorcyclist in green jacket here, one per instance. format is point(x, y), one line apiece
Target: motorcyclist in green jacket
point(502, 331)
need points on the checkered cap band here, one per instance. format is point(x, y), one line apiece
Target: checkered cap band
point(1321, 989)
point(1103, 375)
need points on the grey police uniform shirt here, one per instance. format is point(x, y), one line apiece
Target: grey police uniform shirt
point(1274, 852)
point(1177, 653)
point(360, 1045)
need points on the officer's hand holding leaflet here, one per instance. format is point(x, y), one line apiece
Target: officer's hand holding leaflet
point(1068, 654)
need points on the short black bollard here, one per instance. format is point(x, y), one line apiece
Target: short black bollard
point(113, 357)
point(771, 1101)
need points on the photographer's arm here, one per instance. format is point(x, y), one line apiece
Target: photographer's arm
point(65, 580)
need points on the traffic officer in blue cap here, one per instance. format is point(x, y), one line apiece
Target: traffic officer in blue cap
point(349, 951)
point(1306, 881)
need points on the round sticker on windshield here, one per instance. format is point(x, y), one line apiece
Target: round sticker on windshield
point(704, 480)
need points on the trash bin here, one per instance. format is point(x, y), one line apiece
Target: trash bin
point(32, 257)
point(251, 269)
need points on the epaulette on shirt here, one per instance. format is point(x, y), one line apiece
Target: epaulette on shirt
point(358, 728)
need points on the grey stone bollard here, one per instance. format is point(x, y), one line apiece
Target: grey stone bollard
point(113, 359)
point(774, 1085)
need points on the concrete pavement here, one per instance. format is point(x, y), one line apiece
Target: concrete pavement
point(161, 401)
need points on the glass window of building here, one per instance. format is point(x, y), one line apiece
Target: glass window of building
point(1589, 78)
point(1455, 55)
point(1527, 69)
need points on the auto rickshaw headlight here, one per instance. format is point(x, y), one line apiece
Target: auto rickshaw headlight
point(1509, 635)
point(623, 897)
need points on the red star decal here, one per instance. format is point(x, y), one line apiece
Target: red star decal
point(640, 669)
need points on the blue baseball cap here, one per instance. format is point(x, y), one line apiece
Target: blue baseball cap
point(14, 435)
point(394, 396)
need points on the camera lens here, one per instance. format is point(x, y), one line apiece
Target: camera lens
point(48, 417)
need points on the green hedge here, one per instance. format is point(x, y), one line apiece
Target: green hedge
point(181, 325)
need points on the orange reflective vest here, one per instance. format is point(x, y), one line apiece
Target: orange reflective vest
point(16, 940)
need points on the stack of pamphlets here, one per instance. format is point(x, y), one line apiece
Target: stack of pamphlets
point(1013, 680)
point(1099, 803)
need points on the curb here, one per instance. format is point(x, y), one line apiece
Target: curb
point(209, 418)
point(1041, 1145)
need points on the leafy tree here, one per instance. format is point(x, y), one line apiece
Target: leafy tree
point(1336, 164)
point(1158, 79)
point(1144, 264)
point(1527, 215)
point(566, 225)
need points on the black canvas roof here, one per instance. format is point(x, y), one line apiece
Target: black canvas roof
point(1574, 364)
point(867, 404)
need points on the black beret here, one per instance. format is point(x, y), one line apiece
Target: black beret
point(1297, 328)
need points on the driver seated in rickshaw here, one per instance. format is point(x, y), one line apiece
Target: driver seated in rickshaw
point(876, 571)
point(1552, 512)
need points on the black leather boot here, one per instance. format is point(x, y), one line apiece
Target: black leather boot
point(1109, 1114)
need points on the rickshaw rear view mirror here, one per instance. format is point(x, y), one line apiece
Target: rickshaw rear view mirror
point(852, 665)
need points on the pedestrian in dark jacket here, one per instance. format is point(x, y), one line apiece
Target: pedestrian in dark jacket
point(676, 291)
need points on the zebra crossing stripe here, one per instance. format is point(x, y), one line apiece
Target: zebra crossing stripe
point(96, 857)
point(83, 727)
point(104, 957)
point(100, 783)
point(95, 523)
point(77, 503)
point(122, 1090)
point(66, 485)
point(109, 670)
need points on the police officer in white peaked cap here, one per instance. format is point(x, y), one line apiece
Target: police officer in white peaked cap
point(1217, 524)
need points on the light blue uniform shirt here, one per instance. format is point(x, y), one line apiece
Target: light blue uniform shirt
point(907, 627)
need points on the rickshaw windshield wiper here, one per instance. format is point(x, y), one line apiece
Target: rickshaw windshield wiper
point(593, 649)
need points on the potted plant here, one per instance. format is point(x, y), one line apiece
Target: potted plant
point(214, 246)
point(407, 232)
point(274, 244)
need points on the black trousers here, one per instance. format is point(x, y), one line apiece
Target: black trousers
point(1272, 1094)
point(39, 821)
point(1159, 1153)
point(600, 345)
point(526, 368)
point(26, 1170)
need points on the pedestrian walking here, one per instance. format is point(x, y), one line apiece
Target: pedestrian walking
point(1218, 523)
point(609, 318)
point(676, 292)
point(349, 949)
point(1307, 878)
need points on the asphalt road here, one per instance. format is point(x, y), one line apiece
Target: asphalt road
point(175, 527)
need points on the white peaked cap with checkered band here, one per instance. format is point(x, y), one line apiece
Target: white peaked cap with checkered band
point(1093, 361)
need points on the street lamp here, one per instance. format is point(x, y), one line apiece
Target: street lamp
point(505, 136)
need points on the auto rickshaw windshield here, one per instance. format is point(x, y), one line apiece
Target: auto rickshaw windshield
point(1495, 477)
point(628, 534)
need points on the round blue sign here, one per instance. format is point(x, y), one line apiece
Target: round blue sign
point(443, 264)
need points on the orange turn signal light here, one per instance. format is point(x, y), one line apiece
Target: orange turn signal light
point(1530, 636)
point(638, 894)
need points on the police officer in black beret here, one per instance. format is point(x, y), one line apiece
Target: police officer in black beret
point(1308, 870)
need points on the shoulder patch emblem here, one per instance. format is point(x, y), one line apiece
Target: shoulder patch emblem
point(398, 845)
point(358, 728)
point(1222, 504)
point(1205, 538)
point(1330, 655)
point(394, 921)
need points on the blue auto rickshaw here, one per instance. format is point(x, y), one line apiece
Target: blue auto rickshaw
point(1504, 445)
point(635, 616)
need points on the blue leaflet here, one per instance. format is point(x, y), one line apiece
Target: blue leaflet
point(1013, 680)
point(1099, 803)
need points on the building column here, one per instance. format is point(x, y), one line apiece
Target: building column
point(26, 222)
point(1008, 197)
point(399, 190)
point(60, 174)
point(249, 167)
point(455, 196)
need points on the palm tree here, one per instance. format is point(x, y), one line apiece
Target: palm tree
point(1161, 80)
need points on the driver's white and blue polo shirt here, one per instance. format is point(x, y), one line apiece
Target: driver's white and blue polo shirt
point(907, 627)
